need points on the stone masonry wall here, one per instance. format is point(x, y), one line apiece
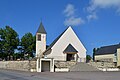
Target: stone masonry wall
point(102, 64)
point(18, 65)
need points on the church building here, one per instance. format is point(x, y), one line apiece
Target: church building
point(67, 47)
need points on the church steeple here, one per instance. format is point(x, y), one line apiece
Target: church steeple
point(40, 40)
point(41, 29)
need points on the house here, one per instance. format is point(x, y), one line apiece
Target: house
point(66, 47)
point(109, 54)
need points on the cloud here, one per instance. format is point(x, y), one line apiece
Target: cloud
point(73, 21)
point(70, 10)
point(92, 16)
point(70, 16)
point(102, 4)
point(106, 3)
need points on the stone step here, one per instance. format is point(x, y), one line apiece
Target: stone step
point(80, 66)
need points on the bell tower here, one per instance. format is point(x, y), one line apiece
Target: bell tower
point(40, 40)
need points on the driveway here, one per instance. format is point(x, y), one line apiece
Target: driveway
point(22, 75)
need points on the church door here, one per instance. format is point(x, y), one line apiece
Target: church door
point(70, 57)
point(45, 66)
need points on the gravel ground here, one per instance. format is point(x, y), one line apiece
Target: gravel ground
point(22, 75)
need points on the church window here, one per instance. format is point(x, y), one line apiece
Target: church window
point(39, 37)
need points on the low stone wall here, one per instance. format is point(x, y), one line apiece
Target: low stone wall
point(61, 69)
point(102, 64)
point(109, 69)
point(64, 64)
point(18, 65)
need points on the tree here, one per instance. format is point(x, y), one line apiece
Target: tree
point(34, 45)
point(8, 41)
point(88, 58)
point(94, 50)
point(28, 44)
point(1, 42)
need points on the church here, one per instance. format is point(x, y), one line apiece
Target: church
point(66, 48)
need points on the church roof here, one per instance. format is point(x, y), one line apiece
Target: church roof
point(70, 49)
point(112, 49)
point(41, 29)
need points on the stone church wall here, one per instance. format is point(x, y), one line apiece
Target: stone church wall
point(18, 65)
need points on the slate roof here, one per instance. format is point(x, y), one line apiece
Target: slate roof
point(70, 49)
point(41, 29)
point(112, 49)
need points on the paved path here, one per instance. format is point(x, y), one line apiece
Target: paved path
point(21, 75)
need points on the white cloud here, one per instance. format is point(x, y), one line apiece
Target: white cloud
point(92, 16)
point(70, 10)
point(94, 4)
point(73, 21)
point(103, 4)
point(71, 17)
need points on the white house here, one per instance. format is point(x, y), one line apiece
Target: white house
point(110, 54)
point(66, 47)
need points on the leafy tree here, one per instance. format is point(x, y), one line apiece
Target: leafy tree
point(28, 44)
point(8, 41)
point(94, 50)
point(1, 42)
point(88, 58)
point(34, 44)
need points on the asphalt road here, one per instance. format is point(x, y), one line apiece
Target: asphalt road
point(21, 75)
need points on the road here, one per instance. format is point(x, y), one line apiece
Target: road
point(22, 75)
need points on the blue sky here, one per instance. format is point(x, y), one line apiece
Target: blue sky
point(96, 22)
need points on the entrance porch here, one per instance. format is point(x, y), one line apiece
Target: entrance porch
point(71, 53)
point(71, 57)
point(45, 64)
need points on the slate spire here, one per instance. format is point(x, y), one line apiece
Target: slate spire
point(41, 29)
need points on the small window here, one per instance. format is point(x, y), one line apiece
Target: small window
point(39, 37)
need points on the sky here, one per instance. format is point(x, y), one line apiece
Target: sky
point(96, 22)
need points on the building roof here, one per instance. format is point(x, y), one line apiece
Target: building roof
point(70, 49)
point(41, 29)
point(112, 49)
